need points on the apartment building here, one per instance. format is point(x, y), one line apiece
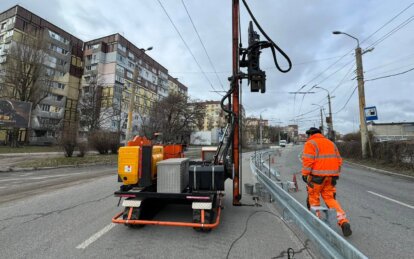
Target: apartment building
point(110, 62)
point(175, 86)
point(63, 65)
point(214, 117)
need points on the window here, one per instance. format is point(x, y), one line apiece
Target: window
point(120, 47)
point(119, 79)
point(88, 57)
point(45, 107)
point(3, 25)
point(129, 74)
point(130, 55)
point(120, 69)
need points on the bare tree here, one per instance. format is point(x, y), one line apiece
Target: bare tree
point(25, 77)
point(175, 116)
point(96, 110)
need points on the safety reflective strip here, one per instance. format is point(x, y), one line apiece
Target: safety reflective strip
point(315, 146)
point(318, 172)
point(328, 156)
point(308, 155)
point(340, 216)
point(306, 169)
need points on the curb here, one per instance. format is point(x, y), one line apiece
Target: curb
point(26, 169)
point(380, 170)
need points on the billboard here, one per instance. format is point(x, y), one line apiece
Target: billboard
point(15, 114)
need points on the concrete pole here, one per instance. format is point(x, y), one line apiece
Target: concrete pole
point(321, 121)
point(331, 133)
point(365, 143)
point(261, 131)
point(131, 106)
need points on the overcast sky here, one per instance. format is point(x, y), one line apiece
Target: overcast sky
point(303, 30)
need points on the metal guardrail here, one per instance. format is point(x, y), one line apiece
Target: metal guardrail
point(329, 243)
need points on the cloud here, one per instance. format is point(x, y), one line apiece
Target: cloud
point(301, 29)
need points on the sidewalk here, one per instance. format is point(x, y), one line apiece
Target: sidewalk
point(262, 232)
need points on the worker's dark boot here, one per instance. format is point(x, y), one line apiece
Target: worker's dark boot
point(346, 229)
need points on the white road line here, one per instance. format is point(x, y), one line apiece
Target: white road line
point(399, 202)
point(96, 236)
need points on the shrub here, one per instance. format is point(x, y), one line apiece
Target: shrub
point(68, 142)
point(104, 141)
point(83, 148)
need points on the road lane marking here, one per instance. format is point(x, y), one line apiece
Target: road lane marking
point(387, 198)
point(96, 236)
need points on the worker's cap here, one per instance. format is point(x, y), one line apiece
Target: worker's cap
point(312, 131)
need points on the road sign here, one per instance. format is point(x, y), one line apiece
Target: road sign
point(371, 113)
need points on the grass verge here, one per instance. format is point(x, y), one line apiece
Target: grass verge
point(70, 161)
point(383, 166)
point(29, 149)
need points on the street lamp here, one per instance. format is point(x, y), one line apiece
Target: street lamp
point(132, 97)
point(365, 143)
point(321, 108)
point(331, 134)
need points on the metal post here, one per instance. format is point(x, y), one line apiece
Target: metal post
point(365, 143)
point(269, 166)
point(235, 85)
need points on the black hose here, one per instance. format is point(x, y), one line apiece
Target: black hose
point(274, 45)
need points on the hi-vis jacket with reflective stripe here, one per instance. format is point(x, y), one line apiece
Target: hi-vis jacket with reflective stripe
point(320, 157)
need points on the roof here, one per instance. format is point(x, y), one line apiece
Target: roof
point(390, 123)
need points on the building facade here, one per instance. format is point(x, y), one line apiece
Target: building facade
point(214, 117)
point(62, 63)
point(391, 131)
point(110, 63)
point(175, 86)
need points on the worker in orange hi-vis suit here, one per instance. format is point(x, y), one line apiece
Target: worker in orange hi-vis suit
point(321, 165)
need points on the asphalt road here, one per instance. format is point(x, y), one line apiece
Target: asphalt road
point(70, 217)
point(380, 207)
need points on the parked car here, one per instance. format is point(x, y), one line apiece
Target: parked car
point(282, 143)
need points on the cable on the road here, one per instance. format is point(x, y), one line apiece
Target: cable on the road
point(290, 251)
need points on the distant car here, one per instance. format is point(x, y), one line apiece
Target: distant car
point(282, 143)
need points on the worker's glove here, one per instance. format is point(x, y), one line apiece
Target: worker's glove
point(305, 178)
point(334, 179)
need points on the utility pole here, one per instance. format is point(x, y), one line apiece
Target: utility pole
point(321, 121)
point(321, 109)
point(365, 142)
point(329, 120)
point(132, 98)
point(261, 131)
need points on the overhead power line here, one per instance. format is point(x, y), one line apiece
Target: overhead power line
point(397, 74)
point(188, 48)
point(390, 33)
point(202, 44)
point(343, 107)
point(392, 19)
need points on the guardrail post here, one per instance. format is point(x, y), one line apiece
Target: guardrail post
point(269, 168)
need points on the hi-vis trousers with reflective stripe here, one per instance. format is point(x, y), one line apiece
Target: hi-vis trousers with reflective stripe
point(328, 193)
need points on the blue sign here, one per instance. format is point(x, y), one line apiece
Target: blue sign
point(371, 113)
